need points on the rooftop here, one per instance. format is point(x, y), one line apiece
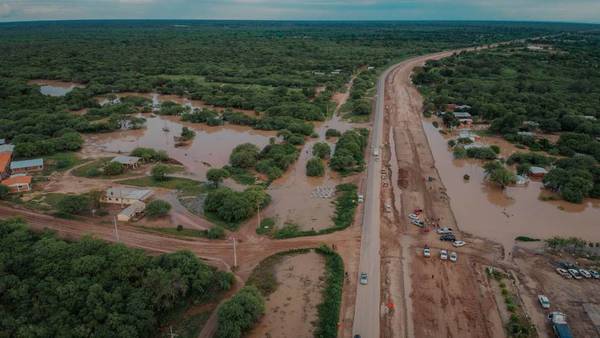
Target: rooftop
point(128, 160)
point(538, 170)
point(4, 161)
point(461, 115)
point(133, 209)
point(38, 162)
point(17, 180)
point(129, 193)
point(2, 141)
point(7, 148)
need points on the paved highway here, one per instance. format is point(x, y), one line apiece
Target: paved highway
point(366, 313)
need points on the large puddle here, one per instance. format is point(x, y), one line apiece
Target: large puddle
point(55, 88)
point(490, 212)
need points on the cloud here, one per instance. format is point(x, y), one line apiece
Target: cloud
point(559, 10)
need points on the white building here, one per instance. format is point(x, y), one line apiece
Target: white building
point(126, 196)
point(131, 212)
point(129, 161)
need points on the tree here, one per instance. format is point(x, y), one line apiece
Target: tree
point(321, 150)
point(74, 204)
point(238, 314)
point(157, 208)
point(315, 167)
point(244, 156)
point(4, 191)
point(159, 172)
point(187, 134)
point(216, 176)
point(113, 169)
point(498, 174)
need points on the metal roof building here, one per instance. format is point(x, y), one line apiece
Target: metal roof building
point(7, 148)
point(26, 164)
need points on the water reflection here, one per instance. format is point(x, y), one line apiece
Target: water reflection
point(55, 88)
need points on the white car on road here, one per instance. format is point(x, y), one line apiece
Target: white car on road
point(453, 256)
point(443, 255)
point(544, 301)
point(426, 252)
point(443, 231)
point(364, 279)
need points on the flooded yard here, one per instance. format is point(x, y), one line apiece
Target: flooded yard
point(291, 311)
point(502, 215)
point(55, 88)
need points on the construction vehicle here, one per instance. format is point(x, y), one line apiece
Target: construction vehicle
point(559, 325)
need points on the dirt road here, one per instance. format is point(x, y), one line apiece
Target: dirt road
point(424, 298)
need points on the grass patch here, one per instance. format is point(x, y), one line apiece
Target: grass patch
point(241, 176)
point(214, 218)
point(93, 169)
point(179, 232)
point(329, 310)
point(61, 162)
point(263, 276)
point(185, 186)
point(526, 239)
point(44, 202)
point(266, 226)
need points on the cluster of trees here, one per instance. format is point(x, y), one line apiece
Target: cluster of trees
point(315, 167)
point(240, 313)
point(31, 145)
point(359, 102)
point(575, 178)
point(497, 173)
point(273, 160)
point(524, 161)
point(349, 151)
point(150, 155)
point(232, 206)
point(187, 134)
point(157, 208)
point(55, 288)
point(207, 116)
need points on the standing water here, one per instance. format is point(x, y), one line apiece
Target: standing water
point(55, 88)
point(501, 215)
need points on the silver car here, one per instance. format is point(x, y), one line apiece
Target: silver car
point(363, 278)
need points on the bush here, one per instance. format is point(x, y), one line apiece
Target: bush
point(329, 309)
point(240, 313)
point(495, 149)
point(321, 150)
point(244, 156)
point(315, 167)
point(482, 153)
point(348, 156)
point(111, 169)
point(4, 191)
point(74, 204)
point(216, 175)
point(459, 152)
point(149, 154)
point(157, 208)
point(332, 133)
point(159, 172)
point(216, 232)
point(267, 225)
point(233, 206)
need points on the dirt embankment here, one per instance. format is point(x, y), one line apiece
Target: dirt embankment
point(431, 298)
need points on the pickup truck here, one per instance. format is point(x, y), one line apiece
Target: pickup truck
point(559, 325)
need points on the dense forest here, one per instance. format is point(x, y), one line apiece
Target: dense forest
point(88, 288)
point(272, 67)
point(528, 92)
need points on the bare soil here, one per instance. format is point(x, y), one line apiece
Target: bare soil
point(291, 311)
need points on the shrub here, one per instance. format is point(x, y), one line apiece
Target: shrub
point(157, 208)
point(4, 191)
point(315, 167)
point(244, 156)
point(112, 169)
point(321, 150)
point(159, 172)
point(74, 204)
point(329, 309)
point(332, 133)
point(216, 232)
point(238, 314)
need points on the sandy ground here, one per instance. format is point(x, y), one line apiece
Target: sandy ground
point(291, 311)
point(430, 298)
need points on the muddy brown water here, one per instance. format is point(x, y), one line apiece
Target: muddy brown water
point(55, 88)
point(210, 148)
point(502, 215)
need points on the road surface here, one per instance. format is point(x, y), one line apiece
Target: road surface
point(366, 313)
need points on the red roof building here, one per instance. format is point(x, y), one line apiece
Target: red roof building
point(18, 183)
point(5, 158)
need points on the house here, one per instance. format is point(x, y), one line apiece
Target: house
point(7, 148)
point(17, 167)
point(463, 107)
point(473, 145)
point(125, 195)
point(18, 183)
point(2, 141)
point(5, 164)
point(466, 133)
point(521, 180)
point(131, 212)
point(525, 133)
point(537, 172)
point(462, 115)
point(129, 161)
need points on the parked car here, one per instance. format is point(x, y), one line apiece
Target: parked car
point(575, 274)
point(364, 279)
point(453, 256)
point(595, 274)
point(417, 223)
point(443, 231)
point(544, 301)
point(413, 216)
point(585, 273)
point(564, 273)
point(448, 238)
point(443, 255)
point(458, 244)
point(426, 252)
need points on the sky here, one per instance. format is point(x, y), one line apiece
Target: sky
point(526, 10)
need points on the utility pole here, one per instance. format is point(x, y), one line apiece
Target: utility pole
point(234, 252)
point(171, 334)
point(258, 214)
point(116, 228)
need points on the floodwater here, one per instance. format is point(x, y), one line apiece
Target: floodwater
point(501, 215)
point(210, 148)
point(55, 88)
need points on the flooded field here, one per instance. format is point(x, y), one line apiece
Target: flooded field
point(210, 148)
point(55, 88)
point(502, 215)
point(292, 309)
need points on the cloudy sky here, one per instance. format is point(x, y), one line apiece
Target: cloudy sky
point(545, 10)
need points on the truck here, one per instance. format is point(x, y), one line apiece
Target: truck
point(559, 325)
point(376, 151)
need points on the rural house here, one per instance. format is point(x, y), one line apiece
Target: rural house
point(537, 172)
point(19, 167)
point(128, 161)
point(131, 212)
point(7, 148)
point(126, 196)
point(5, 164)
point(18, 183)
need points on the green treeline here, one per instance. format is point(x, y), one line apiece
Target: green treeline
point(349, 151)
point(53, 288)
